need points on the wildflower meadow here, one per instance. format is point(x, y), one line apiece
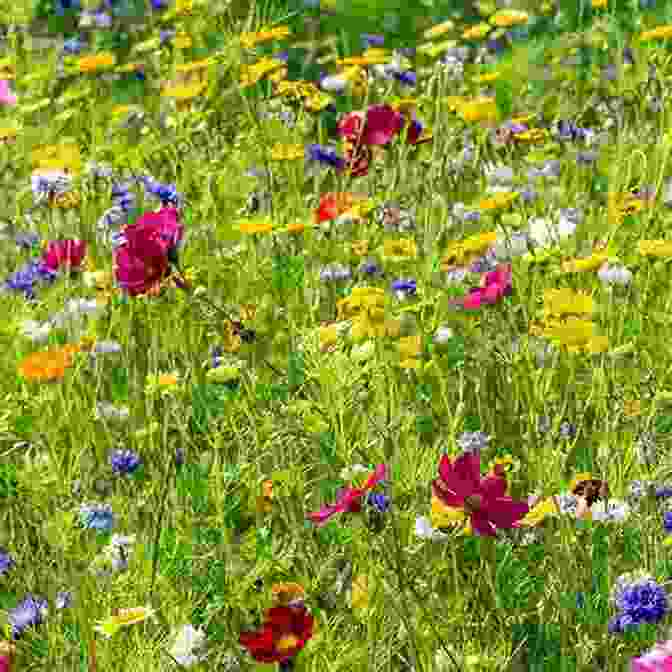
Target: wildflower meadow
point(335, 335)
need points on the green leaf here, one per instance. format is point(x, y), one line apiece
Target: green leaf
point(504, 98)
point(296, 370)
point(119, 384)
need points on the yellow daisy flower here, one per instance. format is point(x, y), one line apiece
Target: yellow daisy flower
point(508, 18)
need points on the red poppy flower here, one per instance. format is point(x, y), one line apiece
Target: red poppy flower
point(285, 632)
point(349, 499)
point(333, 204)
point(60, 253)
point(460, 486)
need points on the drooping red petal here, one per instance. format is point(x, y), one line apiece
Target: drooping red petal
point(503, 512)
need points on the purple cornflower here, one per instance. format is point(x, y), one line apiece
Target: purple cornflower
point(124, 462)
point(97, 516)
point(567, 430)
point(370, 268)
point(26, 277)
point(325, 155)
point(166, 36)
point(216, 353)
point(667, 521)
point(167, 193)
point(122, 196)
point(409, 78)
point(370, 40)
point(639, 599)
point(405, 287)
point(378, 501)
point(6, 562)
point(28, 613)
point(664, 492)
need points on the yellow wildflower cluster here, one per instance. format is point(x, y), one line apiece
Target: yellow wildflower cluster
point(96, 62)
point(592, 263)
point(507, 18)
point(659, 33)
point(566, 322)
point(477, 109)
point(251, 74)
point(655, 248)
point(366, 307)
point(288, 152)
point(461, 254)
point(499, 201)
point(313, 99)
point(621, 205)
point(250, 40)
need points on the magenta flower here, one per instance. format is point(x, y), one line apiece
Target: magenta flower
point(6, 96)
point(142, 261)
point(658, 659)
point(495, 286)
point(349, 500)
point(461, 486)
point(60, 253)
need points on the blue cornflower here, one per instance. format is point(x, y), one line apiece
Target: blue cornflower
point(664, 492)
point(567, 430)
point(325, 155)
point(216, 353)
point(124, 462)
point(6, 562)
point(639, 599)
point(378, 501)
point(405, 287)
point(97, 516)
point(167, 193)
point(166, 36)
point(667, 521)
point(73, 46)
point(26, 277)
point(370, 40)
point(158, 5)
point(28, 613)
point(409, 78)
point(370, 268)
point(122, 196)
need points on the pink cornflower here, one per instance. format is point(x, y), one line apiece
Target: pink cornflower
point(658, 659)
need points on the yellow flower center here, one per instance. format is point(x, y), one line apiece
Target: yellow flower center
point(287, 643)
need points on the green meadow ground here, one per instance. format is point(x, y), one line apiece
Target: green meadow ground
point(204, 552)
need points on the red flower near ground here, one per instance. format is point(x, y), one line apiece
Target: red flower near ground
point(460, 486)
point(285, 632)
point(349, 499)
point(60, 253)
point(142, 261)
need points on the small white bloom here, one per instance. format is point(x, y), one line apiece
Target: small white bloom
point(614, 275)
point(610, 511)
point(424, 530)
point(188, 645)
point(442, 335)
point(350, 473)
point(37, 332)
point(334, 84)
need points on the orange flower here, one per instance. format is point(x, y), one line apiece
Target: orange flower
point(284, 593)
point(48, 365)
